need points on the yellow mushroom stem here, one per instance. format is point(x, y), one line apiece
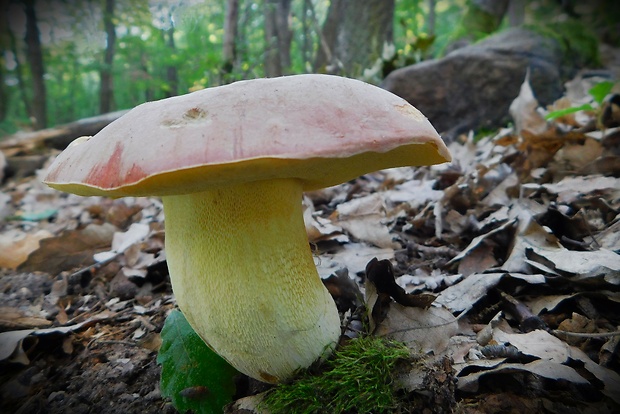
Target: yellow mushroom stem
point(243, 275)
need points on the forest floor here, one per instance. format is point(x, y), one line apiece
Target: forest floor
point(518, 238)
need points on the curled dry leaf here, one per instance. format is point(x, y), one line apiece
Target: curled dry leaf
point(466, 293)
point(547, 369)
point(319, 228)
point(524, 110)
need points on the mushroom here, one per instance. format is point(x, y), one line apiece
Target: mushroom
point(230, 164)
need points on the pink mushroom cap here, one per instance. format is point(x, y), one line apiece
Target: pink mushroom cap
point(321, 129)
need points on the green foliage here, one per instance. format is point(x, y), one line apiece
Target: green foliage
point(598, 93)
point(193, 376)
point(413, 38)
point(74, 43)
point(358, 378)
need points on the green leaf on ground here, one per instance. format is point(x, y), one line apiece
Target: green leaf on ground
point(598, 93)
point(192, 375)
point(601, 90)
point(561, 112)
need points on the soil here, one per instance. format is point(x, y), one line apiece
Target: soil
point(101, 367)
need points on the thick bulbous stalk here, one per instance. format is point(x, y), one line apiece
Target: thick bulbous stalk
point(243, 275)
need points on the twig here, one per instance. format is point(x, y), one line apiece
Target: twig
point(94, 266)
point(586, 335)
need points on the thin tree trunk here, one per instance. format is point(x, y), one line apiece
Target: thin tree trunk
point(325, 61)
point(306, 48)
point(4, 45)
point(431, 17)
point(229, 52)
point(516, 12)
point(285, 35)
point(324, 53)
point(19, 74)
point(35, 60)
point(278, 37)
point(107, 88)
point(172, 76)
point(149, 95)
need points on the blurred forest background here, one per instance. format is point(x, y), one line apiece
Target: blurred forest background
point(64, 60)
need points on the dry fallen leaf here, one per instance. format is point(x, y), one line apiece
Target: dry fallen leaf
point(319, 228)
point(466, 293)
point(15, 246)
point(73, 248)
point(122, 240)
point(364, 218)
point(14, 318)
point(582, 265)
point(524, 110)
point(543, 368)
point(423, 330)
point(531, 210)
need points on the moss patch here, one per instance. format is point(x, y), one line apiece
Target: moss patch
point(579, 45)
point(357, 379)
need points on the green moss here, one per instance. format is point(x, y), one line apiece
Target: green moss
point(475, 24)
point(357, 379)
point(579, 45)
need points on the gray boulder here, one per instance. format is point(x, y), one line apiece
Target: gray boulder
point(472, 87)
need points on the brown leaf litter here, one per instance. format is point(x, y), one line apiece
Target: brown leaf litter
point(522, 225)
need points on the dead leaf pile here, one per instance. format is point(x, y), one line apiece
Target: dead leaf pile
point(82, 279)
point(518, 239)
point(531, 214)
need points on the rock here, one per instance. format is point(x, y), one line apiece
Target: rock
point(122, 287)
point(473, 86)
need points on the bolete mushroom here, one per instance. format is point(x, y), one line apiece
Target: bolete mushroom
point(230, 164)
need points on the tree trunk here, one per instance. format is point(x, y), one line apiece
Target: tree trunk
point(58, 136)
point(35, 60)
point(325, 57)
point(278, 37)
point(516, 12)
point(172, 76)
point(19, 74)
point(230, 36)
point(432, 17)
point(107, 91)
point(355, 33)
point(5, 43)
point(306, 47)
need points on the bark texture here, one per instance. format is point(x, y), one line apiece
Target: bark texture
point(278, 37)
point(229, 50)
point(38, 107)
point(355, 32)
point(107, 85)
